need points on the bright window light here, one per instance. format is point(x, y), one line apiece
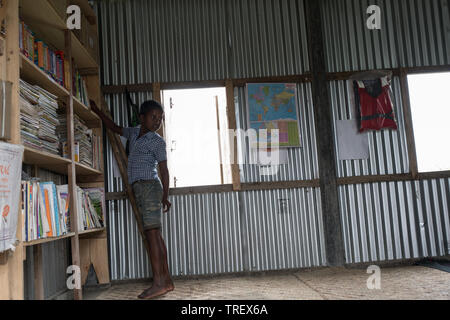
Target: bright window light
point(192, 136)
point(430, 106)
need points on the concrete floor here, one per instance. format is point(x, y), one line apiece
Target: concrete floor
point(404, 282)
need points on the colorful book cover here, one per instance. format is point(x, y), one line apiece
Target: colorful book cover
point(56, 210)
point(48, 211)
point(39, 54)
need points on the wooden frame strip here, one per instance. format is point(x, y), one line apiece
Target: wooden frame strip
point(232, 126)
point(71, 172)
point(410, 141)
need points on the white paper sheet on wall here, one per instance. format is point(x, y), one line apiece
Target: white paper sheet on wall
point(352, 145)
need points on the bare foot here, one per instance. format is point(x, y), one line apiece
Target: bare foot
point(156, 291)
point(170, 286)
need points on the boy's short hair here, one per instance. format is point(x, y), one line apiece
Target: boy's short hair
point(149, 106)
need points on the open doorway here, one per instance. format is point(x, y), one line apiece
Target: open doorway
point(430, 107)
point(197, 137)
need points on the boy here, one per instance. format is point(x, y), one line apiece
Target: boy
point(147, 149)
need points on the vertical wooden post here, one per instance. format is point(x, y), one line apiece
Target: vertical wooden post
point(324, 123)
point(231, 115)
point(71, 167)
point(410, 141)
point(11, 273)
point(219, 140)
point(156, 88)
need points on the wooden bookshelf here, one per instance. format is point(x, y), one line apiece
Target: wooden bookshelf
point(44, 20)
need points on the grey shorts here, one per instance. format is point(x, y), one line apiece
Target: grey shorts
point(148, 197)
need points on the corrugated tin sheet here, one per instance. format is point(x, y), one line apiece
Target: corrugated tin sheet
point(388, 152)
point(413, 33)
point(395, 220)
point(225, 233)
point(55, 260)
point(302, 162)
point(268, 38)
point(163, 41)
point(283, 229)
point(203, 234)
point(188, 40)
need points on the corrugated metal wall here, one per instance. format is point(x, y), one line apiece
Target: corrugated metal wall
point(175, 40)
point(283, 229)
point(187, 40)
point(413, 33)
point(267, 38)
point(395, 220)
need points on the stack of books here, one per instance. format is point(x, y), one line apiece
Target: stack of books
point(48, 121)
point(45, 210)
point(97, 151)
point(39, 118)
point(91, 208)
point(29, 120)
point(83, 136)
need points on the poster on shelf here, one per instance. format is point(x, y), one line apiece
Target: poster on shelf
point(10, 184)
point(273, 106)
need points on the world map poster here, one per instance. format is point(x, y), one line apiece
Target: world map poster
point(274, 106)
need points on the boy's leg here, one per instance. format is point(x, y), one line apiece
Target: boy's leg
point(162, 283)
point(166, 266)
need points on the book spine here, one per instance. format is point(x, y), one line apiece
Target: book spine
point(56, 210)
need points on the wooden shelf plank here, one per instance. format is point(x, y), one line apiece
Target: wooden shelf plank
point(84, 170)
point(46, 240)
point(32, 74)
point(46, 160)
point(84, 232)
point(91, 119)
point(83, 58)
point(56, 163)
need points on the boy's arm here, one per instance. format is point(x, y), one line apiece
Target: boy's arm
point(106, 120)
point(164, 172)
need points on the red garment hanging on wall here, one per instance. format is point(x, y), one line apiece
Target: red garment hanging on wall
point(374, 105)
